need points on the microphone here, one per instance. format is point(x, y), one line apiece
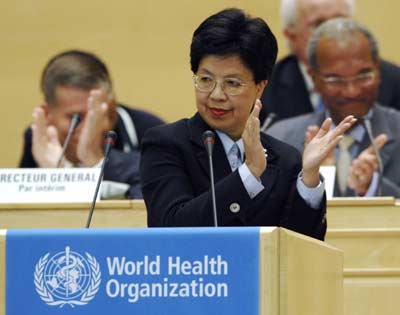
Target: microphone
point(209, 140)
point(109, 142)
point(268, 121)
point(367, 125)
point(76, 118)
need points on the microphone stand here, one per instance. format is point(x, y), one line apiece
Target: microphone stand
point(76, 118)
point(209, 140)
point(110, 138)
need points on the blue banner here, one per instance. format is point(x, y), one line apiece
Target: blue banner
point(154, 271)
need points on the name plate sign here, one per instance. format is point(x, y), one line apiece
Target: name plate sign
point(31, 185)
point(329, 174)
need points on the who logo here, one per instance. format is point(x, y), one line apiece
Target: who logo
point(67, 278)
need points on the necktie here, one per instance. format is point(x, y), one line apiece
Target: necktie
point(234, 157)
point(344, 162)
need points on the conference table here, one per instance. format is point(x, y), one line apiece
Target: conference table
point(367, 230)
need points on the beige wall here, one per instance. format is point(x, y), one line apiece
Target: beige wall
point(144, 43)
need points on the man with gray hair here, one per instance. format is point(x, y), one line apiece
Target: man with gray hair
point(345, 69)
point(290, 91)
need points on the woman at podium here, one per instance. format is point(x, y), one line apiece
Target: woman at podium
point(259, 181)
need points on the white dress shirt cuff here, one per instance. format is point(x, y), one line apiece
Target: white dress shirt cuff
point(312, 196)
point(251, 183)
point(113, 190)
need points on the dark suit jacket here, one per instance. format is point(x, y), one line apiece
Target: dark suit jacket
point(384, 120)
point(122, 167)
point(176, 183)
point(286, 94)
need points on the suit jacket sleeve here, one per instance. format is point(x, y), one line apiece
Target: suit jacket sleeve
point(390, 188)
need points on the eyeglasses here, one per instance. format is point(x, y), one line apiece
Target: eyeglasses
point(231, 86)
point(361, 79)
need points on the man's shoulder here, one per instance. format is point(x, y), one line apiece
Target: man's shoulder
point(288, 64)
point(288, 125)
point(389, 69)
point(292, 130)
point(28, 133)
point(387, 111)
point(139, 114)
point(276, 143)
point(390, 115)
point(169, 132)
point(286, 75)
point(287, 61)
point(282, 150)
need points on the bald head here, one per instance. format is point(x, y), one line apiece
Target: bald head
point(342, 31)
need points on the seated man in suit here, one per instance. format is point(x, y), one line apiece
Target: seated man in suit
point(78, 82)
point(344, 64)
point(259, 181)
point(291, 91)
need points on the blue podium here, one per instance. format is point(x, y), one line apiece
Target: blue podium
point(161, 271)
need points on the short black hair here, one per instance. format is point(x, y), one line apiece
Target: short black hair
point(74, 68)
point(232, 32)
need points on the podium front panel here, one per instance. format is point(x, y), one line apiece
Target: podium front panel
point(133, 271)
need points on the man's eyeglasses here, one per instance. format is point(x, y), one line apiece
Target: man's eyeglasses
point(361, 79)
point(231, 86)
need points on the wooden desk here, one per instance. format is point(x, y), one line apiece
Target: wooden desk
point(366, 213)
point(111, 214)
point(368, 231)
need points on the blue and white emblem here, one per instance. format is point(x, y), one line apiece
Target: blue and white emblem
point(67, 278)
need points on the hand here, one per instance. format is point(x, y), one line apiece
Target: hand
point(46, 147)
point(255, 154)
point(311, 132)
point(363, 167)
point(319, 148)
point(89, 150)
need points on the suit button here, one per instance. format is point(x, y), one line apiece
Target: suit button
point(234, 207)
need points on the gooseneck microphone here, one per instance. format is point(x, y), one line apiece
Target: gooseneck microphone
point(268, 121)
point(209, 140)
point(76, 118)
point(367, 125)
point(109, 142)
